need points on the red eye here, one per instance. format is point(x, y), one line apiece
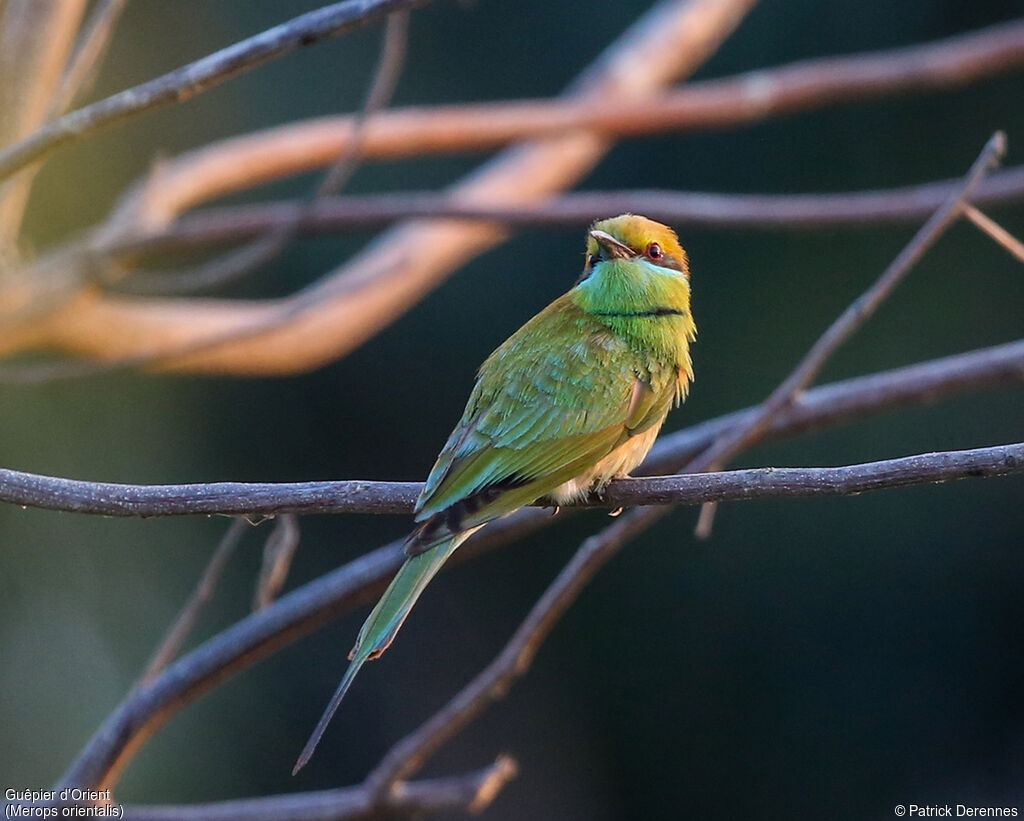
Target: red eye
point(654, 251)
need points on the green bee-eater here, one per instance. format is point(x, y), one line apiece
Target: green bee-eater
point(570, 401)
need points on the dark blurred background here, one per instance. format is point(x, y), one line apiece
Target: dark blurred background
point(819, 658)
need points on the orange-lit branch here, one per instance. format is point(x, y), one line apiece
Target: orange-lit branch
point(245, 161)
point(30, 71)
point(353, 302)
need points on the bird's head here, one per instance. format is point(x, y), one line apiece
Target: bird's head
point(634, 267)
point(637, 239)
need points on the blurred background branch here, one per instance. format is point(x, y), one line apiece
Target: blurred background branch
point(214, 226)
point(192, 79)
point(30, 73)
point(147, 331)
point(355, 301)
point(224, 270)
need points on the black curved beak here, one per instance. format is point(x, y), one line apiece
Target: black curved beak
point(610, 247)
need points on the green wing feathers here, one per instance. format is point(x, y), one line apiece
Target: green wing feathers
point(559, 395)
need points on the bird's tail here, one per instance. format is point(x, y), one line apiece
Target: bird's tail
point(383, 624)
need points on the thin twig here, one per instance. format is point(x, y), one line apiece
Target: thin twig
point(277, 560)
point(229, 224)
point(308, 607)
point(357, 496)
point(411, 752)
point(705, 520)
point(184, 82)
point(277, 237)
point(85, 62)
point(996, 231)
point(378, 97)
point(202, 594)
point(859, 311)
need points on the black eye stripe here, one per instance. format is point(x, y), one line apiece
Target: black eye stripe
point(673, 263)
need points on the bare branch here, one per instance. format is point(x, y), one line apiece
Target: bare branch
point(30, 69)
point(358, 496)
point(182, 83)
point(277, 560)
point(467, 793)
point(215, 226)
point(183, 625)
point(996, 231)
point(244, 162)
point(827, 405)
point(515, 659)
point(80, 74)
point(306, 608)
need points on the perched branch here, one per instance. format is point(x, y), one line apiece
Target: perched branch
point(182, 83)
point(239, 498)
point(304, 609)
point(839, 402)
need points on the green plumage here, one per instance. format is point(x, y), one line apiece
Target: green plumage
point(572, 399)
